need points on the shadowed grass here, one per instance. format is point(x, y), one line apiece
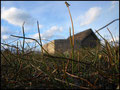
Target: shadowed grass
point(97, 69)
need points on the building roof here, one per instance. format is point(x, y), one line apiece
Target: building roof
point(80, 36)
point(83, 35)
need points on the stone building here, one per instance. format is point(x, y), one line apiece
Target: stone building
point(86, 38)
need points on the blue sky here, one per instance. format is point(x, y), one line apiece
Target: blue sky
point(54, 19)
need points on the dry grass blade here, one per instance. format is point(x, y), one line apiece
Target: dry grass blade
point(95, 81)
point(17, 49)
point(78, 67)
point(78, 61)
point(38, 69)
point(110, 56)
point(40, 37)
point(112, 38)
point(66, 66)
point(101, 36)
point(31, 39)
point(24, 37)
point(71, 21)
point(10, 46)
point(6, 59)
point(81, 79)
point(72, 46)
point(54, 71)
point(32, 48)
point(108, 48)
point(107, 24)
point(13, 41)
point(18, 53)
point(111, 35)
point(71, 84)
point(64, 58)
point(72, 36)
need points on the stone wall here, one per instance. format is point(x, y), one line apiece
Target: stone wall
point(63, 45)
point(50, 47)
point(60, 46)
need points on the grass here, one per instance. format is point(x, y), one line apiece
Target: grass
point(85, 68)
point(94, 68)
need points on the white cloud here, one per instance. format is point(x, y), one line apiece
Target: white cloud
point(29, 41)
point(35, 36)
point(51, 32)
point(16, 16)
point(113, 4)
point(6, 30)
point(3, 30)
point(48, 33)
point(116, 39)
point(4, 33)
point(4, 37)
point(89, 16)
point(40, 26)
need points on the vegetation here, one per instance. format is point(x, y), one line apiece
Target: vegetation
point(85, 68)
point(94, 68)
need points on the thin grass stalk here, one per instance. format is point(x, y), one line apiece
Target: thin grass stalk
point(70, 84)
point(6, 59)
point(106, 25)
point(78, 61)
point(20, 44)
point(13, 41)
point(70, 37)
point(107, 47)
point(101, 36)
point(109, 53)
point(95, 81)
point(115, 47)
point(40, 37)
point(18, 53)
point(64, 58)
point(10, 46)
point(35, 46)
point(17, 49)
point(72, 33)
point(51, 55)
point(38, 68)
point(112, 36)
point(31, 39)
point(71, 21)
point(72, 49)
point(85, 80)
point(66, 65)
point(27, 44)
point(23, 38)
point(31, 48)
point(72, 26)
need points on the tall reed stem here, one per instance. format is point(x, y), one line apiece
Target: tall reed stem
point(23, 38)
point(72, 25)
point(40, 37)
point(72, 33)
point(71, 43)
